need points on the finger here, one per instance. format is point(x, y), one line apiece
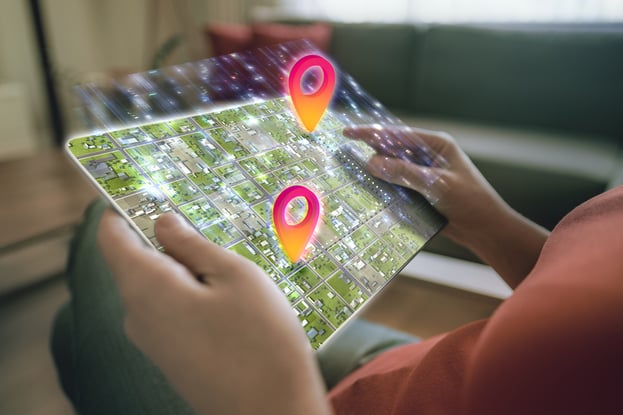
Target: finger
point(182, 242)
point(422, 179)
point(416, 145)
point(131, 260)
point(436, 140)
point(379, 138)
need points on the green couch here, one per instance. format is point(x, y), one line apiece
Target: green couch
point(539, 110)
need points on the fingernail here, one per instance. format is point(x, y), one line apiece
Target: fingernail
point(389, 172)
point(381, 167)
point(373, 166)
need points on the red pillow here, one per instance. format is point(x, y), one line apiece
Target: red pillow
point(228, 37)
point(265, 34)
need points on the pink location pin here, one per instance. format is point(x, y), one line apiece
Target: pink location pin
point(311, 107)
point(294, 238)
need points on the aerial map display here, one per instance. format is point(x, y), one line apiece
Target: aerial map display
point(222, 170)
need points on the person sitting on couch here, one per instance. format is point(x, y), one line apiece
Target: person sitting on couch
point(231, 345)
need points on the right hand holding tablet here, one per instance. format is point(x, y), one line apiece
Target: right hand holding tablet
point(432, 164)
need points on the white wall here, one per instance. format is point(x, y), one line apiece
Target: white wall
point(26, 128)
point(93, 35)
point(92, 38)
point(88, 38)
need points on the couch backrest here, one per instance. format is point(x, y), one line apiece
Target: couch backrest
point(379, 57)
point(561, 79)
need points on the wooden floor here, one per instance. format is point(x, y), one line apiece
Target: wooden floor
point(28, 384)
point(425, 309)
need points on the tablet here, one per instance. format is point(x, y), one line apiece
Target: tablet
point(222, 166)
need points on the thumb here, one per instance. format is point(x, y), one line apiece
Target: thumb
point(407, 174)
point(182, 242)
point(131, 260)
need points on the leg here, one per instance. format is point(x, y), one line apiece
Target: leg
point(100, 370)
point(355, 345)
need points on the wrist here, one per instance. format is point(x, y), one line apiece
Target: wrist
point(500, 223)
point(511, 244)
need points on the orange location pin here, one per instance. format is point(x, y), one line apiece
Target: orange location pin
point(311, 107)
point(294, 238)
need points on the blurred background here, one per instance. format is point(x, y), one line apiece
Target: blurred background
point(86, 39)
point(531, 89)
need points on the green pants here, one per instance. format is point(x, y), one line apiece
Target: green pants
point(103, 373)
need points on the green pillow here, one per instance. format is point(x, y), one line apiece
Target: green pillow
point(378, 57)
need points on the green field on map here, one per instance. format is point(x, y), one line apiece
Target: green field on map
point(222, 171)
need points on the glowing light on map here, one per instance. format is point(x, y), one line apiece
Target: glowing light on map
point(295, 237)
point(311, 106)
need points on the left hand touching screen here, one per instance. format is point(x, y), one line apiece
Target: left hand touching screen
point(231, 345)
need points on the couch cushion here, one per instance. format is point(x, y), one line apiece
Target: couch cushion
point(562, 79)
point(541, 174)
point(617, 177)
point(378, 57)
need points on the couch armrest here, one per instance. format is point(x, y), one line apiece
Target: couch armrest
point(617, 177)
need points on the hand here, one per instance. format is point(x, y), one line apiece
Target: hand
point(432, 164)
point(229, 345)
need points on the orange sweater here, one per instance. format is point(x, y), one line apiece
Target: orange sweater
point(554, 347)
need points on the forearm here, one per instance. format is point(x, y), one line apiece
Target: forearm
point(511, 245)
point(304, 396)
point(277, 407)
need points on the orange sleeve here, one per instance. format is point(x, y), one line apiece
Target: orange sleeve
point(556, 346)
